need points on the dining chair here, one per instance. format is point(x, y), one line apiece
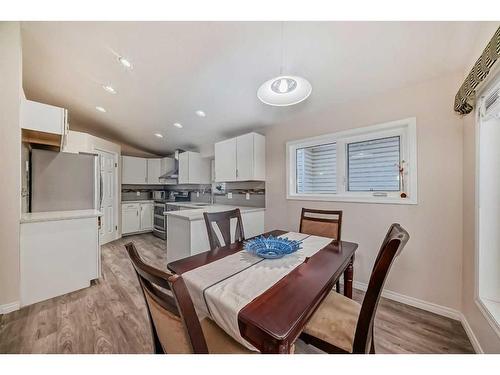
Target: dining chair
point(324, 223)
point(174, 322)
point(341, 325)
point(223, 221)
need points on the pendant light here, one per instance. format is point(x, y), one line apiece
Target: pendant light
point(284, 90)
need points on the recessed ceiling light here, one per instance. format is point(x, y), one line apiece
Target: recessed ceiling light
point(127, 64)
point(177, 125)
point(159, 135)
point(100, 109)
point(200, 113)
point(109, 89)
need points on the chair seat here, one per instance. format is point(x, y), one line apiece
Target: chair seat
point(335, 321)
point(219, 342)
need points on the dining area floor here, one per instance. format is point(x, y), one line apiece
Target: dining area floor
point(111, 316)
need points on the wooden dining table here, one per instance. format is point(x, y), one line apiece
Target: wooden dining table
point(273, 321)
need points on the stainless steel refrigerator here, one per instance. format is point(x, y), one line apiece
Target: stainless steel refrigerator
point(62, 181)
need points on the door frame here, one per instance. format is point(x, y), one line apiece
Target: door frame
point(117, 190)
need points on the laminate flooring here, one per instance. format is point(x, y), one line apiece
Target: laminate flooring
point(110, 316)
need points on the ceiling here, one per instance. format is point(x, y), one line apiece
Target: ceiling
point(181, 67)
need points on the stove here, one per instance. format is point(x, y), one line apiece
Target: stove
point(160, 206)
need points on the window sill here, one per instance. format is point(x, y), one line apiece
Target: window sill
point(491, 311)
point(353, 199)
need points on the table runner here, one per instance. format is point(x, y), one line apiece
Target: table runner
point(222, 288)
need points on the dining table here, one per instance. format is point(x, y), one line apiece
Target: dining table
point(272, 318)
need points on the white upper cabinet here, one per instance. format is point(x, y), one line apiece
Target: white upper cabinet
point(154, 171)
point(134, 170)
point(193, 169)
point(225, 160)
point(241, 159)
point(43, 117)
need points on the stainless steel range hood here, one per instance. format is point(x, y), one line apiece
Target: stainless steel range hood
point(173, 173)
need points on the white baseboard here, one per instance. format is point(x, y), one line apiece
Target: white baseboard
point(9, 307)
point(431, 307)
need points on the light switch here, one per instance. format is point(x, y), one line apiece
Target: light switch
point(247, 196)
point(229, 195)
point(138, 193)
point(197, 194)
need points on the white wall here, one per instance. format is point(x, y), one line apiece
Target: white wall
point(430, 267)
point(488, 339)
point(10, 162)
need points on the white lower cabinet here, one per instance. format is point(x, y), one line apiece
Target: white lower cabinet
point(137, 217)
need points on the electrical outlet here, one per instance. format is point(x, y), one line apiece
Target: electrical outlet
point(229, 195)
point(138, 193)
point(197, 194)
point(247, 196)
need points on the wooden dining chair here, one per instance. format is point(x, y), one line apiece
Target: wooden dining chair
point(174, 323)
point(341, 325)
point(223, 221)
point(324, 223)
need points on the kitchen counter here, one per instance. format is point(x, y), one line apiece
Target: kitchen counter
point(34, 217)
point(197, 212)
point(139, 201)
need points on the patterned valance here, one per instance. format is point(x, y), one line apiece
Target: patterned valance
point(465, 97)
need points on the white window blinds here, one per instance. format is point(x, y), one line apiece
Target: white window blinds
point(316, 169)
point(374, 165)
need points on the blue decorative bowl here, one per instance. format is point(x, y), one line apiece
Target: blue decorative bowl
point(271, 247)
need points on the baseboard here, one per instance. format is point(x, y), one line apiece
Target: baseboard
point(9, 307)
point(472, 337)
point(431, 307)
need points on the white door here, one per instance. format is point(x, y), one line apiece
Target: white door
point(146, 216)
point(131, 221)
point(244, 157)
point(225, 160)
point(108, 203)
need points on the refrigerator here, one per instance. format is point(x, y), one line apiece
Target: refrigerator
point(62, 181)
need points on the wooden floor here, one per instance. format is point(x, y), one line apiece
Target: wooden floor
point(110, 316)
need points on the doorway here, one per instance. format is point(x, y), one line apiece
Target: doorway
point(108, 165)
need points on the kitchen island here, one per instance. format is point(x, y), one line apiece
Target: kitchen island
point(187, 234)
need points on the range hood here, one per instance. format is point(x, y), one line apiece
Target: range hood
point(173, 173)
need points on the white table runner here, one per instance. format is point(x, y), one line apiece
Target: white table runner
point(222, 288)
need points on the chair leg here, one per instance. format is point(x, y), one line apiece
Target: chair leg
point(372, 346)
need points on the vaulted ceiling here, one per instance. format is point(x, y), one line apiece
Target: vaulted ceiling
point(217, 67)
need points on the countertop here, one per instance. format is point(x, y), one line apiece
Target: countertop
point(197, 214)
point(34, 217)
point(139, 201)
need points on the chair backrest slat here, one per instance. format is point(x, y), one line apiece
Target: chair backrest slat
point(223, 222)
point(394, 242)
point(325, 223)
point(174, 322)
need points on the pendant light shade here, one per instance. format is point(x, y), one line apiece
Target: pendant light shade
point(284, 90)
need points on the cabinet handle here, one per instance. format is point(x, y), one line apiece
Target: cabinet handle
point(236, 172)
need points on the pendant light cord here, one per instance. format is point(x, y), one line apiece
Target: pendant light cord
point(282, 46)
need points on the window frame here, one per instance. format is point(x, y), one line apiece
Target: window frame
point(405, 128)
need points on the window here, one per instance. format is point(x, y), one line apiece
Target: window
point(372, 164)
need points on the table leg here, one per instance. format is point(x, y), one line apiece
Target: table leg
point(348, 275)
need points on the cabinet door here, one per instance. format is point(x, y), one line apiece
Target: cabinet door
point(225, 160)
point(43, 117)
point(199, 169)
point(244, 157)
point(154, 171)
point(131, 221)
point(134, 170)
point(146, 216)
point(184, 168)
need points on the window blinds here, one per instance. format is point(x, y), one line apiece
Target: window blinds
point(316, 169)
point(374, 165)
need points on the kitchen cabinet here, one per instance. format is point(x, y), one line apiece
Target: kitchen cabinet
point(134, 170)
point(137, 217)
point(153, 171)
point(241, 159)
point(44, 124)
point(193, 169)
